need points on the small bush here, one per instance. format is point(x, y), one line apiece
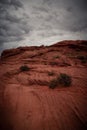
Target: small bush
point(51, 73)
point(54, 63)
point(62, 80)
point(82, 58)
point(56, 57)
point(53, 83)
point(24, 68)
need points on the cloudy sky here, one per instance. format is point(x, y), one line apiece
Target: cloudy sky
point(37, 22)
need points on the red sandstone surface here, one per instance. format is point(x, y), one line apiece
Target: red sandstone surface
point(27, 102)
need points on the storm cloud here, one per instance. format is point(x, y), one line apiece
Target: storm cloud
point(12, 24)
point(36, 22)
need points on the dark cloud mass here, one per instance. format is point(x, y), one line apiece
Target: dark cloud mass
point(41, 21)
point(74, 13)
point(14, 3)
point(12, 26)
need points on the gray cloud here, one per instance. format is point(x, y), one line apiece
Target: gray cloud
point(15, 3)
point(72, 15)
point(38, 21)
point(13, 27)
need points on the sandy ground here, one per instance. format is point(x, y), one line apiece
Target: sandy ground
point(27, 102)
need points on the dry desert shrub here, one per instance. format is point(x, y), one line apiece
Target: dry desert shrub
point(24, 68)
point(63, 80)
point(82, 58)
point(56, 57)
point(51, 73)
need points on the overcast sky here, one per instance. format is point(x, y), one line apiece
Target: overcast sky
point(37, 22)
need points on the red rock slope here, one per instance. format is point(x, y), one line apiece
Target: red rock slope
point(27, 102)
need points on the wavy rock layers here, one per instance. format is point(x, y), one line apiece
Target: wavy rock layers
point(27, 102)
